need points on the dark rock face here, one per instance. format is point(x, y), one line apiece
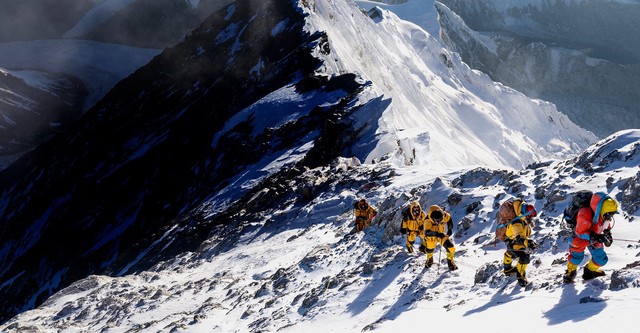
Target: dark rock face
point(30, 114)
point(92, 199)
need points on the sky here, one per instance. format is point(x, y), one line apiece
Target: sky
point(300, 269)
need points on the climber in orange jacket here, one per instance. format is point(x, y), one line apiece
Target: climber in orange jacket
point(593, 231)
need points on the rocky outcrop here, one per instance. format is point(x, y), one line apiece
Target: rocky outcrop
point(93, 199)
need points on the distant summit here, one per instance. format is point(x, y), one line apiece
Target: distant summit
point(583, 56)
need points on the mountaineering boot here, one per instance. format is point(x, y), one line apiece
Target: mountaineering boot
point(522, 276)
point(591, 271)
point(450, 253)
point(506, 262)
point(522, 280)
point(451, 264)
point(509, 270)
point(589, 274)
point(570, 274)
point(429, 262)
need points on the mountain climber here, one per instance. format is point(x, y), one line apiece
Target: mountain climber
point(517, 218)
point(412, 223)
point(593, 230)
point(438, 227)
point(364, 213)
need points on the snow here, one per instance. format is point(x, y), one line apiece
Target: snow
point(279, 28)
point(458, 114)
point(99, 65)
point(298, 268)
point(304, 272)
point(505, 5)
point(275, 110)
point(420, 12)
point(33, 78)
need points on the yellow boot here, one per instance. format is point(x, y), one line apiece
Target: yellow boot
point(570, 274)
point(592, 271)
point(508, 269)
point(522, 276)
point(429, 262)
point(452, 266)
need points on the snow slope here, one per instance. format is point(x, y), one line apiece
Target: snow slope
point(292, 265)
point(299, 269)
point(581, 55)
point(99, 65)
point(441, 113)
point(420, 12)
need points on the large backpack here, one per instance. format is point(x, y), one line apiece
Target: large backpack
point(506, 214)
point(579, 199)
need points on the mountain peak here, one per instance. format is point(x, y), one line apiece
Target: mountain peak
point(225, 170)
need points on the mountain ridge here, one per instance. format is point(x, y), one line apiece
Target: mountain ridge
point(181, 149)
point(580, 55)
point(299, 266)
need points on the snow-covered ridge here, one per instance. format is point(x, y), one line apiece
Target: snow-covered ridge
point(99, 65)
point(439, 106)
point(299, 269)
point(581, 55)
point(305, 209)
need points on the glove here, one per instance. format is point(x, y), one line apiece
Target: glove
point(608, 238)
point(531, 244)
point(403, 231)
point(601, 238)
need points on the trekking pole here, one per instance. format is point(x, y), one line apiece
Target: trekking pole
point(626, 240)
point(439, 257)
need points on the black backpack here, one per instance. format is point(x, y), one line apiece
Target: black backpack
point(405, 213)
point(580, 199)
